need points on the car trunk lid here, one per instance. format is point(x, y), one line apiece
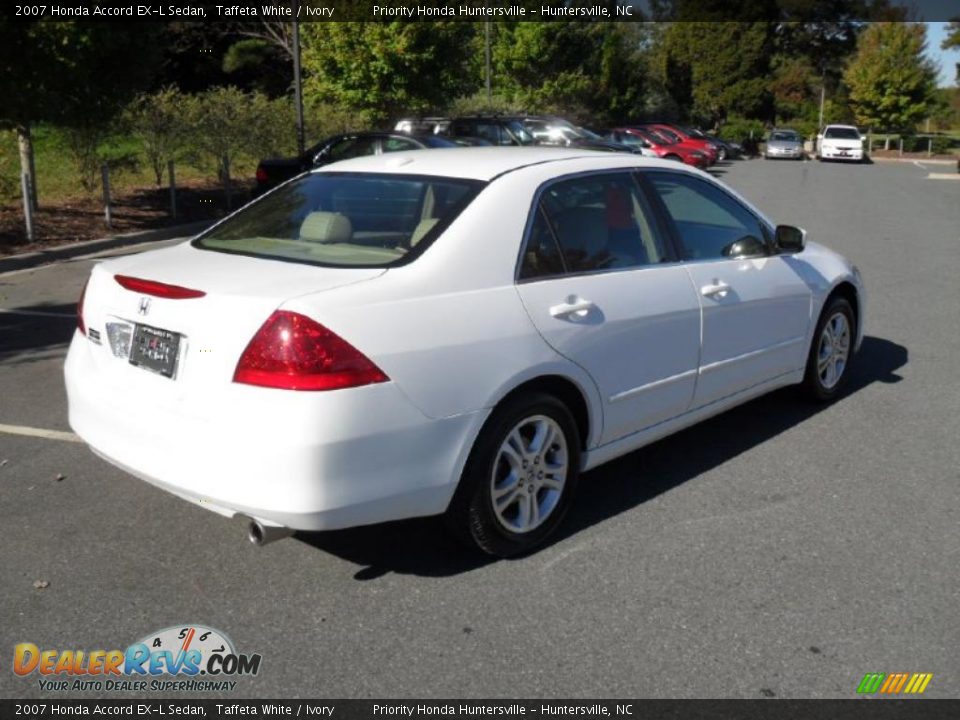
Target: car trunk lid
point(179, 318)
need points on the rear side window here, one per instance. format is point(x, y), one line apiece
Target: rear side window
point(711, 224)
point(591, 223)
point(352, 147)
point(395, 144)
point(345, 219)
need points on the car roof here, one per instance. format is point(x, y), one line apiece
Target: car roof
point(378, 133)
point(487, 163)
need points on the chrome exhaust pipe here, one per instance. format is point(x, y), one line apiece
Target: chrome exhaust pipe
point(260, 534)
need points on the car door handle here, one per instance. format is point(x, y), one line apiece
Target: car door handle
point(574, 306)
point(715, 289)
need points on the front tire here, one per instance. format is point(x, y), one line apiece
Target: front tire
point(831, 351)
point(519, 480)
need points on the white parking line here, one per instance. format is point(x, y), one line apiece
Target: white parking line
point(39, 432)
point(943, 176)
point(38, 313)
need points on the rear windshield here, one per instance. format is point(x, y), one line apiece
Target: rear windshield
point(345, 219)
point(842, 133)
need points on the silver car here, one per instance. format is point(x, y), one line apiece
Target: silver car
point(784, 144)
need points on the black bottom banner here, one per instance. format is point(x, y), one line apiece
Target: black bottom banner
point(873, 709)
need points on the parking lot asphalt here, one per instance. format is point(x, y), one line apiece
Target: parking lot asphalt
point(779, 550)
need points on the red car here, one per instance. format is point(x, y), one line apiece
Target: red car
point(675, 132)
point(662, 146)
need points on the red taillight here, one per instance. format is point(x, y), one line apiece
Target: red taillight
point(262, 176)
point(81, 323)
point(293, 352)
point(157, 289)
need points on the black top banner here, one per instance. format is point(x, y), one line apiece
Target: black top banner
point(488, 10)
point(873, 709)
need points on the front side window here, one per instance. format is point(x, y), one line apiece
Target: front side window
point(345, 219)
point(711, 224)
point(668, 134)
point(592, 223)
point(519, 134)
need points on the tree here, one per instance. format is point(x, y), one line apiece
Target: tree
point(24, 71)
point(575, 68)
point(77, 74)
point(384, 70)
point(713, 70)
point(892, 83)
point(952, 40)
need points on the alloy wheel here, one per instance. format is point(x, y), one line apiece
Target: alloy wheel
point(833, 350)
point(529, 474)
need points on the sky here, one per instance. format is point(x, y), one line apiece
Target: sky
point(947, 59)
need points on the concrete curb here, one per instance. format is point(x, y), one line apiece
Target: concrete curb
point(89, 247)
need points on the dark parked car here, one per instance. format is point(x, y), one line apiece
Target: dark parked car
point(273, 171)
point(729, 150)
point(557, 131)
point(495, 129)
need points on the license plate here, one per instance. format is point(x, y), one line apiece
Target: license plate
point(155, 350)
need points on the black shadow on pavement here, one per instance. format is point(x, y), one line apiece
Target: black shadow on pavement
point(423, 547)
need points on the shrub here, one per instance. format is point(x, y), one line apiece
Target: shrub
point(478, 103)
point(742, 130)
point(938, 145)
point(82, 144)
point(323, 120)
point(806, 128)
point(160, 122)
point(942, 145)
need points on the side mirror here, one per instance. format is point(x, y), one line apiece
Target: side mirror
point(747, 246)
point(790, 239)
point(322, 157)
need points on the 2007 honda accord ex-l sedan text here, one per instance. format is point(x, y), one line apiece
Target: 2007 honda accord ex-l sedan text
point(460, 332)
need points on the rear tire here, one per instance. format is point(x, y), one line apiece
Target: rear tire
point(831, 351)
point(519, 479)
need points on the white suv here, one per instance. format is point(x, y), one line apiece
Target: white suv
point(840, 142)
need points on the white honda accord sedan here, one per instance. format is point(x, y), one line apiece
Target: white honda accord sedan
point(460, 333)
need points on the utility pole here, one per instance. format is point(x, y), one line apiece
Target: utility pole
point(823, 95)
point(297, 85)
point(487, 63)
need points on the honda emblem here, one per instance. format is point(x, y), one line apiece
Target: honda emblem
point(144, 305)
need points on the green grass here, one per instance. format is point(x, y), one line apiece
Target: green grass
point(58, 177)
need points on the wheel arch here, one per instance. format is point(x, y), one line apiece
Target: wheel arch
point(566, 391)
point(848, 291)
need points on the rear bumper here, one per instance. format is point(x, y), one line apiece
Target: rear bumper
point(305, 460)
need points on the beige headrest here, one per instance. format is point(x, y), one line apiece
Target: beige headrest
point(422, 228)
point(326, 227)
